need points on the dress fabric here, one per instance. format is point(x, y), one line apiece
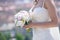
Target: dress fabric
point(40, 14)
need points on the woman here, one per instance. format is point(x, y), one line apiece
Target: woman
point(45, 28)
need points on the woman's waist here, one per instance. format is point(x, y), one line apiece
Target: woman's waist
point(44, 29)
point(40, 31)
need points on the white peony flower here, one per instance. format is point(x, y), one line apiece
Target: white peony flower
point(21, 18)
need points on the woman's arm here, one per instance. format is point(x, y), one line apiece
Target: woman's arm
point(49, 4)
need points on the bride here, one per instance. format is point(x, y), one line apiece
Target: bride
point(44, 20)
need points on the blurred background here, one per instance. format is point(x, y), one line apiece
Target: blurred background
point(8, 8)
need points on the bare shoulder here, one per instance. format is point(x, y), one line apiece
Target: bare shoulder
point(49, 2)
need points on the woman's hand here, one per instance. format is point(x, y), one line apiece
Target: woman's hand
point(28, 26)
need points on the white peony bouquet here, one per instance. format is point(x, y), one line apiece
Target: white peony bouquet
point(22, 18)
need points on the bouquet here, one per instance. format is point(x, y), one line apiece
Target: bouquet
point(22, 18)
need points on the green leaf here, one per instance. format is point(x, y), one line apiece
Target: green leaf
point(19, 36)
point(2, 37)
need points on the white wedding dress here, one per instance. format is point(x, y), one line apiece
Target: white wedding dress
point(40, 14)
